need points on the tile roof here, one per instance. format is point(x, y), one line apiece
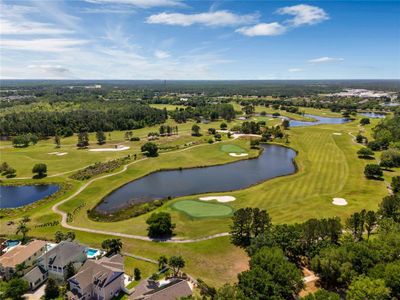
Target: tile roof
point(20, 253)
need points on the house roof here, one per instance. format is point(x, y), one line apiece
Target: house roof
point(174, 290)
point(99, 272)
point(64, 253)
point(35, 274)
point(20, 253)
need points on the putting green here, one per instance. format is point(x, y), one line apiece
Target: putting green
point(229, 148)
point(201, 209)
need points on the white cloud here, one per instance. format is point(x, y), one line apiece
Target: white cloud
point(8, 27)
point(304, 14)
point(263, 29)
point(53, 70)
point(325, 59)
point(16, 22)
point(293, 70)
point(140, 3)
point(42, 45)
point(161, 54)
point(214, 18)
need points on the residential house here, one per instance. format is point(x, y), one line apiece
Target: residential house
point(24, 255)
point(36, 277)
point(56, 260)
point(176, 289)
point(98, 279)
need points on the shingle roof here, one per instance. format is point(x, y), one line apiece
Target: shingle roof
point(64, 253)
point(174, 290)
point(20, 253)
point(100, 272)
point(35, 274)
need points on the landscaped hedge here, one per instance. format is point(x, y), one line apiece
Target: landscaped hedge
point(100, 167)
point(126, 213)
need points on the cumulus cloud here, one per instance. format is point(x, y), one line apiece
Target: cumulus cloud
point(140, 3)
point(161, 54)
point(304, 14)
point(263, 29)
point(293, 70)
point(214, 18)
point(325, 59)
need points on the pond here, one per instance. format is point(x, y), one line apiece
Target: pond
point(20, 195)
point(318, 120)
point(373, 115)
point(274, 161)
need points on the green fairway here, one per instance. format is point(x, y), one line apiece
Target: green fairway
point(200, 209)
point(229, 148)
point(328, 167)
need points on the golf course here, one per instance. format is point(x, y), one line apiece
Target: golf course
point(326, 167)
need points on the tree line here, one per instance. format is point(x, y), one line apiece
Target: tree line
point(50, 123)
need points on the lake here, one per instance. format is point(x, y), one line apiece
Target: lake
point(318, 120)
point(373, 115)
point(274, 161)
point(20, 195)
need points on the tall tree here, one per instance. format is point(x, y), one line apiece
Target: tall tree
point(40, 170)
point(176, 263)
point(101, 137)
point(160, 225)
point(271, 276)
point(196, 130)
point(112, 246)
point(370, 222)
point(83, 140)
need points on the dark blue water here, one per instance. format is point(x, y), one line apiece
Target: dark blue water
point(318, 120)
point(373, 115)
point(16, 196)
point(273, 162)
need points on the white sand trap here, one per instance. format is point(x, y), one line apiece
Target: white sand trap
point(58, 153)
point(110, 149)
point(339, 201)
point(238, 154)
point(218, 198)
point(337, 133)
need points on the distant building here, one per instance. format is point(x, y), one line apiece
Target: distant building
point(98, 279)
point(21, 255)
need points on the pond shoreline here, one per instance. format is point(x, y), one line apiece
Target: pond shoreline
point(270, 173)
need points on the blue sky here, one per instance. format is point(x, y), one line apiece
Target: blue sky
point(176, 39)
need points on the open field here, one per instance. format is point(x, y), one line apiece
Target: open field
point(328, 167)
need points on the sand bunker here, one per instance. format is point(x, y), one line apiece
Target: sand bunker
point(110, 149)
point(58, 153)
point(339, 201)
point(337, 133)
point(218, 198)
point(238, 154)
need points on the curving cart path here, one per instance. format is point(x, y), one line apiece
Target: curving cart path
point(65, 224)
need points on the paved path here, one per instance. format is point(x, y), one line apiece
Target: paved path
point(65, 224)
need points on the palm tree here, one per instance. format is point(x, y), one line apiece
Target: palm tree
point(23, 229)
point(162, 262)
